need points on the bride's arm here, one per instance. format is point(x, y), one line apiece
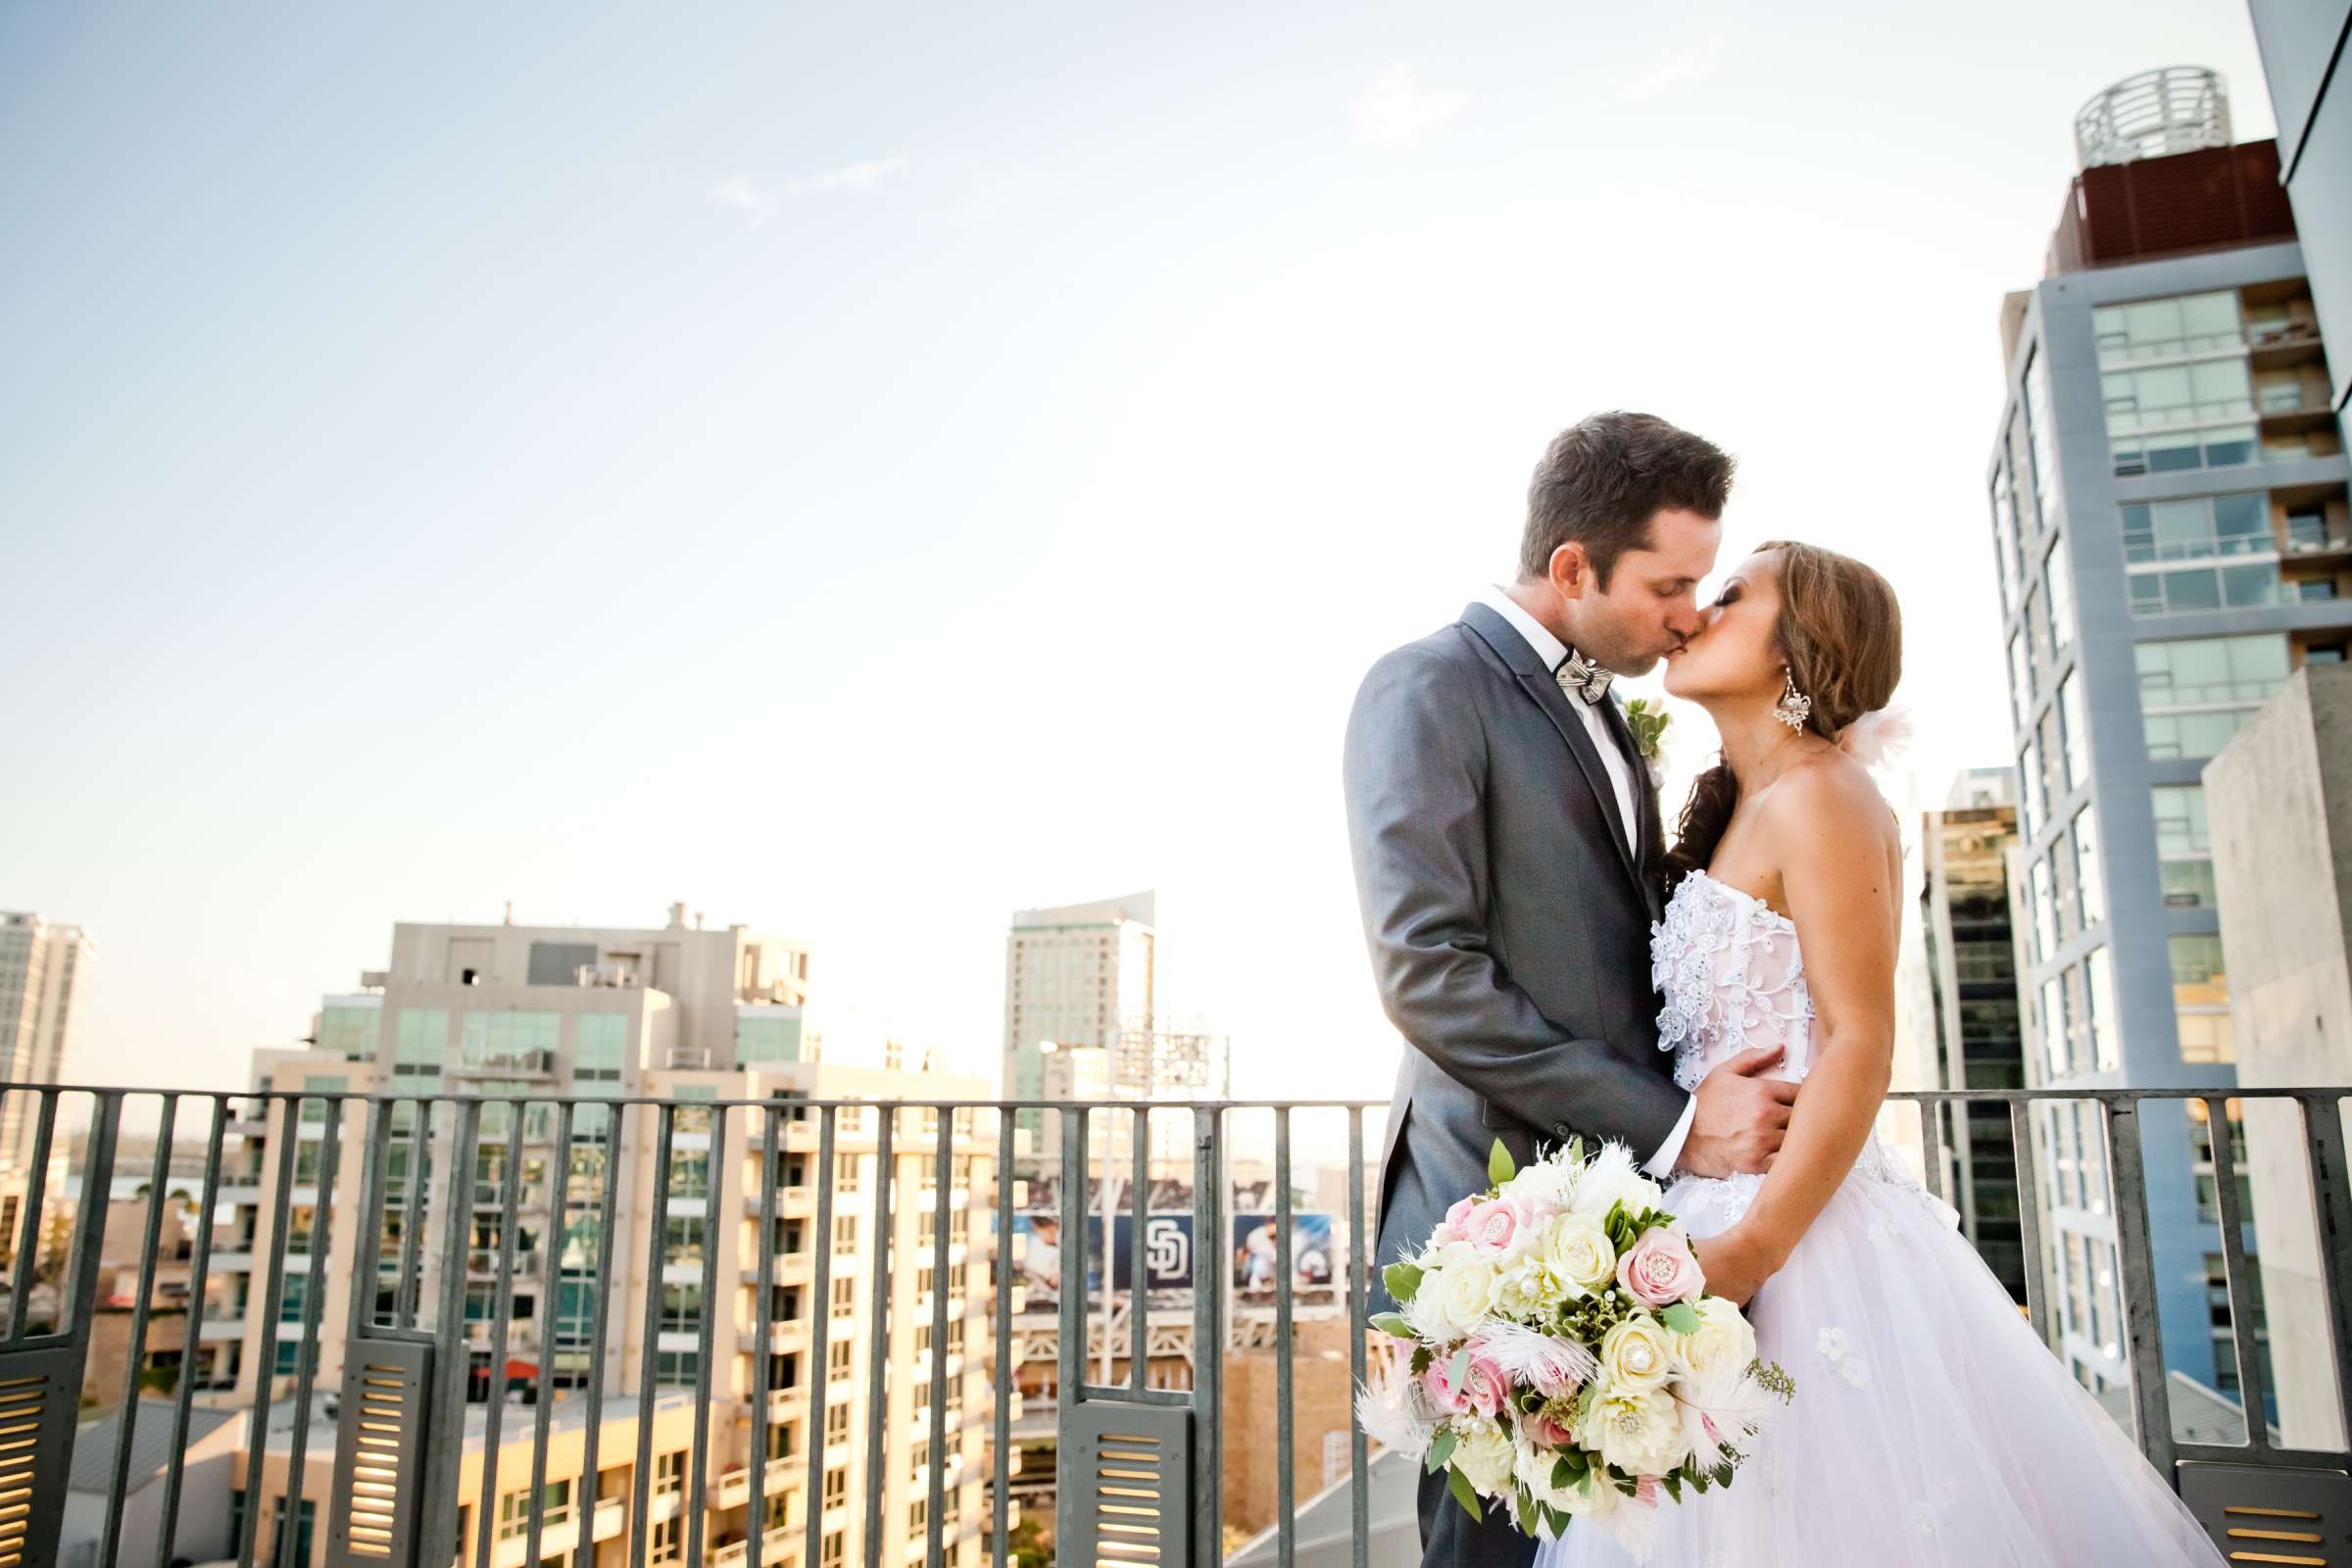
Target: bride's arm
point(1831, 833)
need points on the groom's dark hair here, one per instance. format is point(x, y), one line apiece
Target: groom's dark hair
point(1605, 477)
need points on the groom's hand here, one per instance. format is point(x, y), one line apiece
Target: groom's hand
point(1740, 1118)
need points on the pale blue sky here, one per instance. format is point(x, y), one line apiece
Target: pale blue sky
point(865, 473)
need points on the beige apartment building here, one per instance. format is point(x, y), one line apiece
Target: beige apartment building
point(680, 1014)
point(45, 977)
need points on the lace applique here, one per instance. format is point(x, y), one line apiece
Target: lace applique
point(1729, 974)
point(1836, 1349)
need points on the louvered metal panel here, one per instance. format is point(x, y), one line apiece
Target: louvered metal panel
point(2258, 1513)
point(379, 1452)
point(1130, 1467)
point(40, 1401)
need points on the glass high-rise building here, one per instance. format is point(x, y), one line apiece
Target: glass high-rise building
point(2167, 497)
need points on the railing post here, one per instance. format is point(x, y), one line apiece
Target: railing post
point(2151, 1403)
point(1208, 1335)
point(2028, 1215)
point(1069, 1376)
point(2331, 1205)
point(1359, 1482)
point(2240, 1278)
point(437, 1507)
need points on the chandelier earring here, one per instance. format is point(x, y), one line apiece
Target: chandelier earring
point(1795, 707)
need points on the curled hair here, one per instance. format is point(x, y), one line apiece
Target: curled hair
point(1842, 633)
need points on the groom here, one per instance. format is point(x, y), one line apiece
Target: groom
point(1507, 846)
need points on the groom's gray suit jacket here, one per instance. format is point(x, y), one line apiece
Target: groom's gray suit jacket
point(1508, 921)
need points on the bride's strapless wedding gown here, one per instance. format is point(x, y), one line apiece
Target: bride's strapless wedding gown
point(1931, 1426)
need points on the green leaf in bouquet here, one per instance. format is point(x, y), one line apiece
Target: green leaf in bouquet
point(1402, 1280)
point(1555, 1520)
point(1393, 1325)
point(1499, 1168)
point(1457, 1370)
point(1463, 1493)
point(1423, 1359)
point(1576, 1150)
point(1441, 1449)
point(1682, 1317)
point(1562, 1475)
point(1584, 1405)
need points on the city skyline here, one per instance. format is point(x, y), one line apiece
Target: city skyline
point(593, 499)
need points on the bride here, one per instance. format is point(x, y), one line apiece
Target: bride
point(1930, 1426)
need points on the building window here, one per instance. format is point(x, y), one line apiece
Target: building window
point(2206, 1036)
point(676, 1368)
point(600, 1043)
point(845, 1297)
point(422, 1044)
point(2046, 911)
point(2054, 1031)
point(766, 1034)
point(845, 1234)
point(349, 1032)
point(846, 1169)
point(2046, 499)
point(836, 1359)
point(2077, 730)
point(2106, 1037)
point(681, 1308)
point(837, 1488)
point(2034, 806)
point(2090, 883)
point(2021, 681)
point(834, 1550)
point(837, 1424)
point(2061, 578)
point(2169, 329)
point(2207, 525)
point(2183, 847)
point(2190, 590)
point(510, 1041)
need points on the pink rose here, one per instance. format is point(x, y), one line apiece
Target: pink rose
point(1658, 1270)
point(1549, 1431)
point(1442, 1397)
point(1484, 1388)
point(1490, 1226)
point(1456, 1218)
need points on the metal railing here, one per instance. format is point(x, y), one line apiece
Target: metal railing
point(407, 1417)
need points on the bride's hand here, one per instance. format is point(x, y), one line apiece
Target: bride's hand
point(1734, 1265)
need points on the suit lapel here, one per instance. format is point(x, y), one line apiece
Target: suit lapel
point(1537, 681)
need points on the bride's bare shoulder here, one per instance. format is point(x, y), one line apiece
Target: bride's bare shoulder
point(1829, 795)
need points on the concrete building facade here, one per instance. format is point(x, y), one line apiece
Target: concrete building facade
point(44, 979)
point(2303, 44)
point(2279, 797)
point(2168, 496)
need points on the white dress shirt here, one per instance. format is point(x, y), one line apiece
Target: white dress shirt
point(1552, 650)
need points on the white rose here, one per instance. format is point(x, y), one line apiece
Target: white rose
point(1723, 1340)
point(1578, 1250)
point(1517, 1287)
point(1639, 1433)
point(1485, 1456)
point(1546, 1188)
point(1635, 1356)
point(1454, 1298)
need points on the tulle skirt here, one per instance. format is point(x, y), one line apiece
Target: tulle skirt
point(1930, 1427)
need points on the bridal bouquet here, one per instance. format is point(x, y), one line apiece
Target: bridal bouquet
point(1565, 1360)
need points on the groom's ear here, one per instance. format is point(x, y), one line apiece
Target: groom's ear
point(1571, 570)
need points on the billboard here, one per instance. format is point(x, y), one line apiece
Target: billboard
point(1172, 1260)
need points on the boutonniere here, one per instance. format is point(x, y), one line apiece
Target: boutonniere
point(1649, 724)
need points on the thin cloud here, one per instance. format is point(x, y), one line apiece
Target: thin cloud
point(759, 204)
point(1696, 65)
point(1397, 108)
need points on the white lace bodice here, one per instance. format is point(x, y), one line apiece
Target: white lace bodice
point(1728, 965)
point(1732, 978)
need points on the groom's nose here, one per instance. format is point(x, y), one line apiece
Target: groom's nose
point(1684, 621)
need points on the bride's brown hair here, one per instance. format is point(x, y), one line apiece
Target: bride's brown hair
point(1842, 633)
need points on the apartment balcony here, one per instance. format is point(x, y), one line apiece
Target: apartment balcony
point(408, 1425)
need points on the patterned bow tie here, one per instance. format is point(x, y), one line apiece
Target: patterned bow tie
point(1583, 680)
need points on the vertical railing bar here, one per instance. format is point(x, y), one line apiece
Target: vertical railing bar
point(1360, 1487)
point(820, 1335)
point(412, 1228)
point(437, 1507)
point(159, 1177)
point(256, 1435)
point(28, 1238)
point(1209, 1337)
point(2151, 1404)
point(313, 1297)
point(600, 1314)
point(551, 1289)
point(2241, 1279)
point(1285, 1481)
point(376, 1148)
point(1138, 1192)
point(502, 1302)
point(184, 1398)
point(943, 1170)
point(764, 1325)
point(77, 1286)
point(640, 1524)
point(1001, 1487)
point(878, 1347)
point(697, 1484)
point(2331, 1205)
point(1933, 1145)
point(1069, 1351)
point(2028, 1167)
